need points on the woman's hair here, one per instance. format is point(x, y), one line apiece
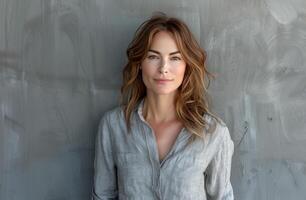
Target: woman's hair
point(192, 99)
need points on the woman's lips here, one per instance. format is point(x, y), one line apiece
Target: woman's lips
point(163, 80)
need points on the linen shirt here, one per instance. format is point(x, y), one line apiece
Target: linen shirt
point(127, 166)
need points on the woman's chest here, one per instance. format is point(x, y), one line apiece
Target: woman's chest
point(165, 136)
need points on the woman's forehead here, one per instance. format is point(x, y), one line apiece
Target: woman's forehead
point(163, 42)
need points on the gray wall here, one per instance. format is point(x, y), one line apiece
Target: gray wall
point(60, 69)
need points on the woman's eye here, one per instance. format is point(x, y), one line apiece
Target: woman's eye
point(176, 58)
point(152, 57)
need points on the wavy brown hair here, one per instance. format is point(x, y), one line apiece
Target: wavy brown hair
point(192, 99)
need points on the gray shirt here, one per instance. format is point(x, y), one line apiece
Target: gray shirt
point(127, 166)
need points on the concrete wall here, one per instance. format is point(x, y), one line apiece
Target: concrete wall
point(60, 69)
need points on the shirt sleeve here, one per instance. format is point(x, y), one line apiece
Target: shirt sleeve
point(217, 174)
point(105, 177)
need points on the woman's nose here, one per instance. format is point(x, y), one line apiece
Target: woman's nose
point(163, 67)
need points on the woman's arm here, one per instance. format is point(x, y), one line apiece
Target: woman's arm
point(218, 185)
point(105, 178)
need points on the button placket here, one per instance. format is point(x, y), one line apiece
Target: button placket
point(151, 143)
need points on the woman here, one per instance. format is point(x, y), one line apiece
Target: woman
point(163, 142)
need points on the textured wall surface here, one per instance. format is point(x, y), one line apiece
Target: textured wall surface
point(60, 69)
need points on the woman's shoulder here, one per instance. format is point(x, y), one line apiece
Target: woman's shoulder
point(217, 128)
point(214, 121)
point(113, 114)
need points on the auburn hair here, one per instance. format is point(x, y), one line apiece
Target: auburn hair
point(192, 100)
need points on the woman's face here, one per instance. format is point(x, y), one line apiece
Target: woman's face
point(163, 67)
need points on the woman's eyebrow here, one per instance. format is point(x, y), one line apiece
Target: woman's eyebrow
point(154, 51)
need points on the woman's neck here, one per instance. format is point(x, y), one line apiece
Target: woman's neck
point(160, 109)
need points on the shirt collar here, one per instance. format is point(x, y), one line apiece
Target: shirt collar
point(140, 109)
